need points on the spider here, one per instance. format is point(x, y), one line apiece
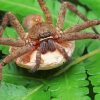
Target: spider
point(44, 37)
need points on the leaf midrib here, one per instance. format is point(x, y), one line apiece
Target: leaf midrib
point(21, 77)
point(16, 4)
point(32, 92)
point(20, 5)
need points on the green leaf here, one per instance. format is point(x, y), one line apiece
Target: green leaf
point(12, 92)
point(67, 85)
point(93, 69)
point(20, 7)
point(94, 6)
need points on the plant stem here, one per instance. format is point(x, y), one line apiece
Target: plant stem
point(76, 61)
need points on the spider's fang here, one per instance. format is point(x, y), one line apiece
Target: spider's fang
point(51, 45)
point(43, 47)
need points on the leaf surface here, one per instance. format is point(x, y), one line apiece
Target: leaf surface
point(19, 84)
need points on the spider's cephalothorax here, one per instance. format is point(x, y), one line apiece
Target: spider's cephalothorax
point(45, 46)
point(44, 33)
point(41, 31)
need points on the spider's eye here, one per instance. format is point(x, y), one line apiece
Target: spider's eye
point(37, 20)
point(44, 35)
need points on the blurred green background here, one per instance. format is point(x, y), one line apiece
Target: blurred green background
point(80, 82)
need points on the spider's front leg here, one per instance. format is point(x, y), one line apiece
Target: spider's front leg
point(82, 26)
point(78, 36)
point(46, 11)
point(61, 17)
point(15, 54)
point(62, 13)
point(9, 17)
point(77, 12)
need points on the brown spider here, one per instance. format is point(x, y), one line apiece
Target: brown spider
point(43, 36)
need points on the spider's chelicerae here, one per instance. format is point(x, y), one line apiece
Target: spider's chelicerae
point(44, 37)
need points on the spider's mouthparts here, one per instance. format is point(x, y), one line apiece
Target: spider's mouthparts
point(46, 46)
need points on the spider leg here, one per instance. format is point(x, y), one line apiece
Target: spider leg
point(9, 17)
point(61, 17)
point(82, 26)
point(46, 11)
point(78, 36)
point(62, 51)
point(12, 42)
point(77, 12)
point(17, 53)
point(38, 60)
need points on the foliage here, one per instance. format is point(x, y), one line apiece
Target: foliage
point(74, 84)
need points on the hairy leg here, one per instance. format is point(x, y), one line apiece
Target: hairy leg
point(46, 11)
point(38, 60)
point(12, 42)
point(77, 12)
point(9, 17)
point(78, 36)
point(19, 52)
point(61, 17)
point(62, 51)
point(83, 26)
point(62, 13)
